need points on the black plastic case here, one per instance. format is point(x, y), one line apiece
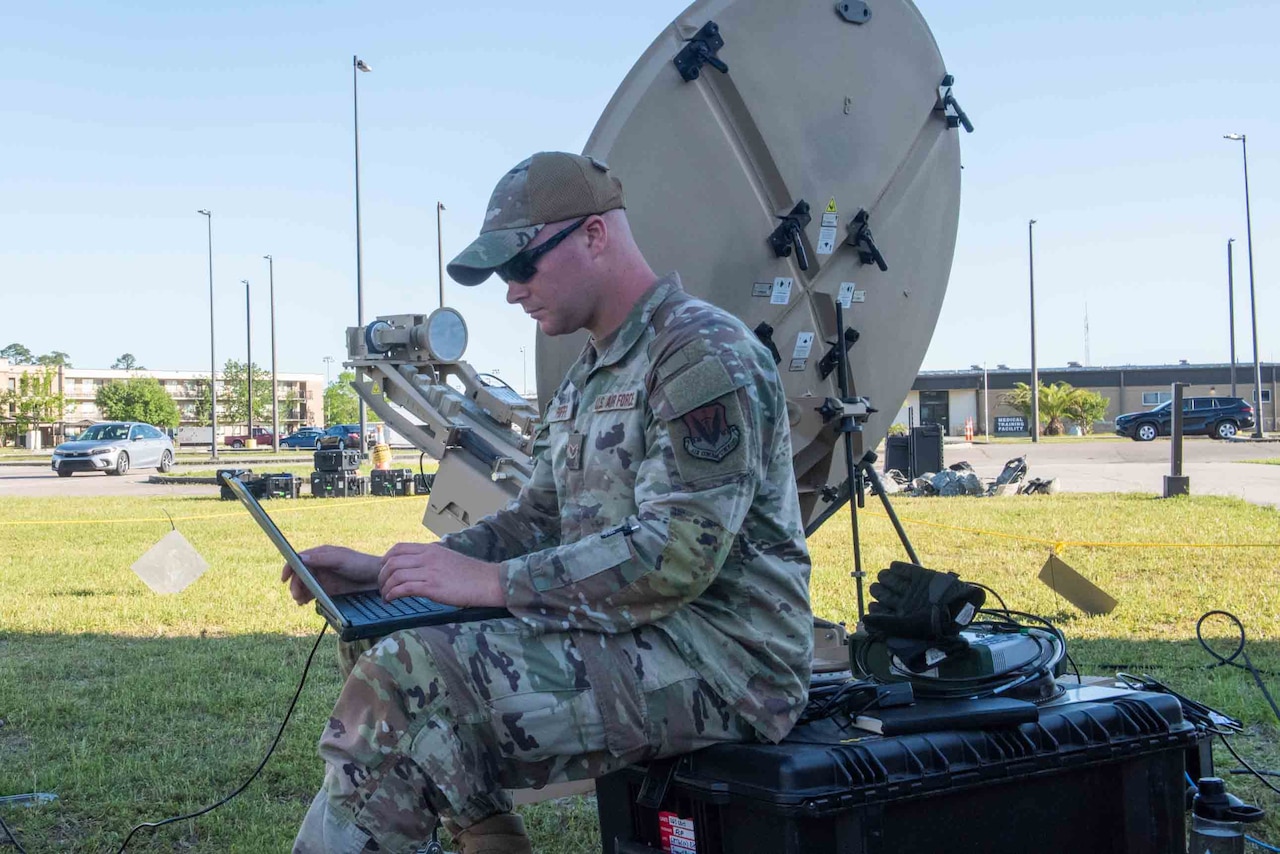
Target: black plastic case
point(1102, 776)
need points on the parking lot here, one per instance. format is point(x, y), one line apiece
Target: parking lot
point(1215, 468)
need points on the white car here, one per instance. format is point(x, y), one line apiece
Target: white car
point(114, 447)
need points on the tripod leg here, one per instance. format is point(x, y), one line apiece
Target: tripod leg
point(866, 466)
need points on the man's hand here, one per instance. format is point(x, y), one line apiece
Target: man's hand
point(431, 570)
point(338, 569)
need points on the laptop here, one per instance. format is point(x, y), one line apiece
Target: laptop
point(363, 614)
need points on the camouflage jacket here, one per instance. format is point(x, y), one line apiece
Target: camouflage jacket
point(663, 494)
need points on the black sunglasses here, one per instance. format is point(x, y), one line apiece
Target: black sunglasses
point(521, 267)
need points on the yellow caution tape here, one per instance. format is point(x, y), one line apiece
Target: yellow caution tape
point(1059, 546)
point(165, 519)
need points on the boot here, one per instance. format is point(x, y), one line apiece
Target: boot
point(497, 834)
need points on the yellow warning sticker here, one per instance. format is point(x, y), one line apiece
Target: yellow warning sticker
point(831, 205)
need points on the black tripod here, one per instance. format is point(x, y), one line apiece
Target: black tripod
point(852, 413)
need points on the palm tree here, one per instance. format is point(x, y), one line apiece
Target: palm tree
point(1054, 403)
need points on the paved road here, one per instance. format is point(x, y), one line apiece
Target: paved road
point(1215, 468)
point(39, 480)
point(1085, 466)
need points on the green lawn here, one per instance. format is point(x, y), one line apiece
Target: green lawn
point(1271, 461)
point(135, 707)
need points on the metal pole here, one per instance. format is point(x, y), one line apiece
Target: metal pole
point(275, 394)
point(213, 362)
point(1176, 483)
point(1035, 374)
point(846, 425)
point(440, 250)
point(355, 103)
point(1231, 310)
point(248, 337)
point(1253, 308)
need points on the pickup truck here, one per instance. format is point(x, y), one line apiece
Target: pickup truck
point(261, 435)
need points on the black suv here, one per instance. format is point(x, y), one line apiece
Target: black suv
point(1220, 417)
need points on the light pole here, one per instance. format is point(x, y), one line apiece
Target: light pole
point(358, 65)
point(328, 360)
point(440, 250)
point(1253, 309)
point(275, 395)
point(1231, 311)
point(248, 368)
point(213, 362)
point(1035, 374)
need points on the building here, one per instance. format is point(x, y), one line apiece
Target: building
point(949, 398)
point(301, 398)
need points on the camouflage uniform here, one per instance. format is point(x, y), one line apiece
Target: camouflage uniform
point(656, 568)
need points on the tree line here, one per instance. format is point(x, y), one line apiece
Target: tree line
point(35, 400)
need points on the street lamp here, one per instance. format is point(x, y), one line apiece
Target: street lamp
point(328, 360)
point(275, 396)
point(248, 367)
point(1035, 374)
point(358, 65)
point(1231, 311)
point(440, 250)
point(213, 362)
point(1253, 309)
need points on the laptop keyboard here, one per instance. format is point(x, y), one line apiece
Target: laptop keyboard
point(370, 605)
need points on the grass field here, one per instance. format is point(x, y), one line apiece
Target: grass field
point(134, 707)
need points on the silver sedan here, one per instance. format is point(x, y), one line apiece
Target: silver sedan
point(114, 447)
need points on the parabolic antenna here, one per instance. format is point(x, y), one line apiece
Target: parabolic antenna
point(825, 132)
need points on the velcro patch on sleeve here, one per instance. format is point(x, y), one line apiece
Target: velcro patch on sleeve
point(703, 412)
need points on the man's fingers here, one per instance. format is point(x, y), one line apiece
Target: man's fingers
point(299, 591)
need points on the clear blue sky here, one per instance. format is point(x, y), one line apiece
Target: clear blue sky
point(121, 120)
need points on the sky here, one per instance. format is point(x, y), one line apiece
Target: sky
point(120, 121)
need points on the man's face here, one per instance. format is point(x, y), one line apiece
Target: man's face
point(559, 296)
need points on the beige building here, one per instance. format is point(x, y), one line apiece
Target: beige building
point(950, 398)
point(301, 398)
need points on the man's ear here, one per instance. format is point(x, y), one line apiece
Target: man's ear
point(597, 235)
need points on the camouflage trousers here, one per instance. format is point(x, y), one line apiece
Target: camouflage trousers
point(443, 721)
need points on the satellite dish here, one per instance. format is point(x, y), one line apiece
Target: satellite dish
point(773, 105)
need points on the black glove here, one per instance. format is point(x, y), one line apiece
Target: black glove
point(914, 602)
point(919, 656)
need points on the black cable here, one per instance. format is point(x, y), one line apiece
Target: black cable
point(1003, 606)
point(1203, 717)
point(1252, 770)
point(1230, 660)
point(1052, 648)
point(12, 838)
point(296, 694)
point(1076, 668)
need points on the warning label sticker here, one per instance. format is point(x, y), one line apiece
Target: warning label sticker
point(676, 834)
point(831, 205)
point(826, 240)
point(781, 290)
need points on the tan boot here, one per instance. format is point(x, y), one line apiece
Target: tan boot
point(497, 834)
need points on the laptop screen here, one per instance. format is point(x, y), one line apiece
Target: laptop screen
point(286, 550)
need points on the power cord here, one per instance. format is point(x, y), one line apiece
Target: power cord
point(1051, 649)
point(287, 715)
point(12, 838)
point(1238, 652)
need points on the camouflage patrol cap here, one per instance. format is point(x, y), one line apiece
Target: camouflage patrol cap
point(548, 187)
